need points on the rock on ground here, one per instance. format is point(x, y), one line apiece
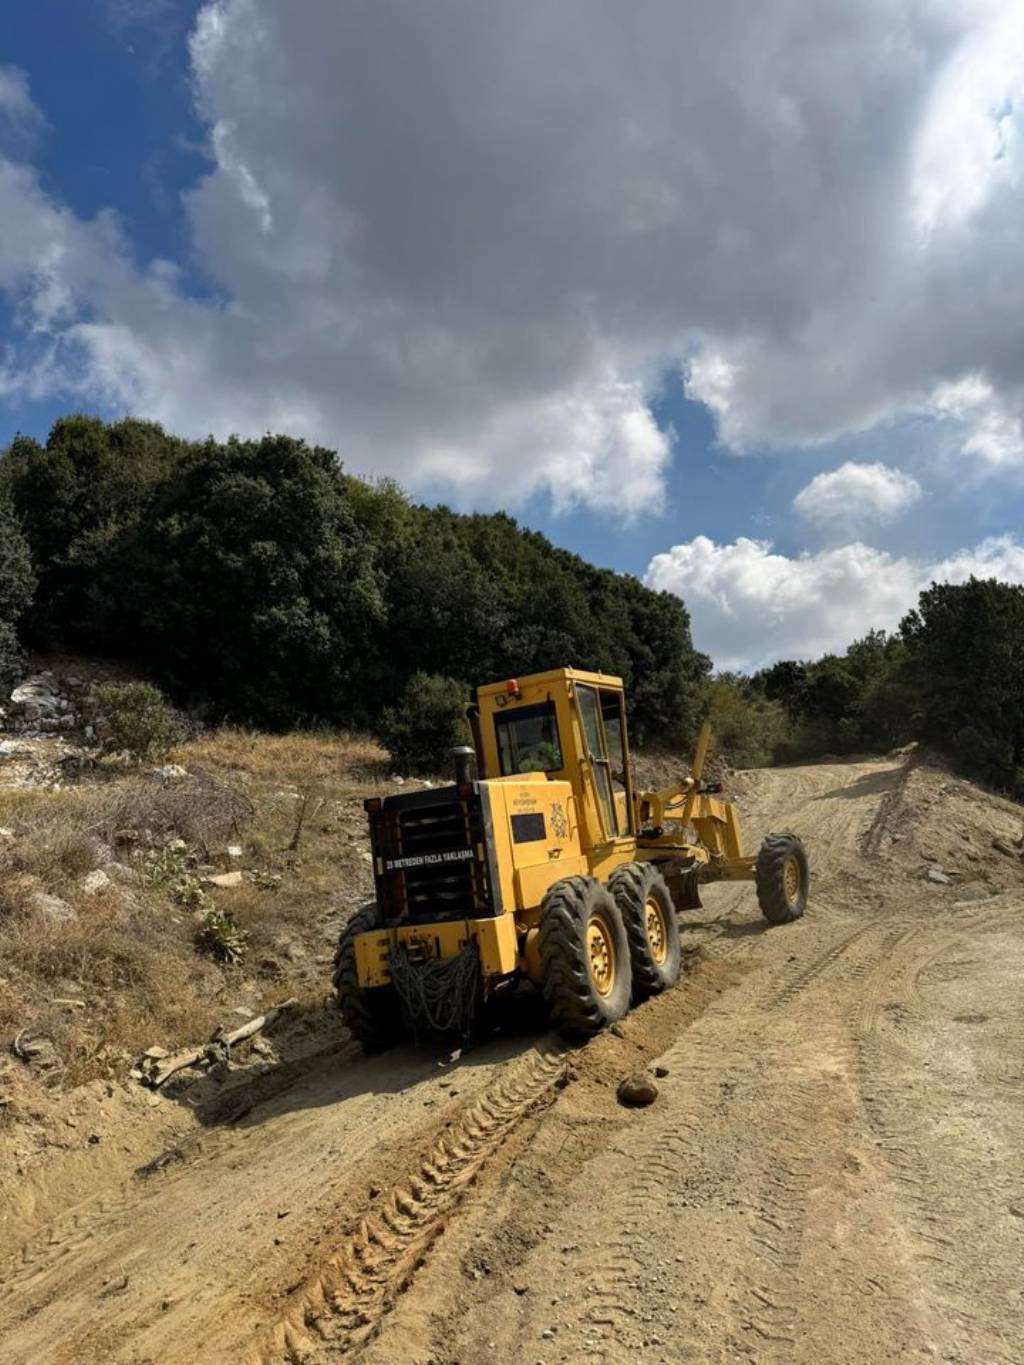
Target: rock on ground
point(638, 1089)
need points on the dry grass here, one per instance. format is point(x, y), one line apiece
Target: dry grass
point(59, 836)
point(123, 972)
point(333, 756)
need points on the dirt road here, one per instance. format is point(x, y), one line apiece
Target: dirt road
point(833, 1170)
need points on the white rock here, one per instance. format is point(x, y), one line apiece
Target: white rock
point(94, 882)
point(6, 835)
point(169, 772)
point(10, 748)
point(52, 908)
point(38, 686)
point(224, 879)
point(235, 850)
point(936, 874)
point(120, 872)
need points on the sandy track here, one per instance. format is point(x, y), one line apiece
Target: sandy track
point(832, 1172)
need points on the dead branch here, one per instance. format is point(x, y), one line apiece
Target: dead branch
point(154, 1070)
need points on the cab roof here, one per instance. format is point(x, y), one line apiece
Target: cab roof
point(553, 677)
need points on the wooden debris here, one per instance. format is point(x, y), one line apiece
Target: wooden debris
point(153, 1070)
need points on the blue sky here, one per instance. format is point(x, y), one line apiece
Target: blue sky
point(699, 299)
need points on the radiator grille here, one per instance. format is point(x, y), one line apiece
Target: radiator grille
point(429, 857)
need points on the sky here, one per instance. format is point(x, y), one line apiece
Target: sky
point(729, 297)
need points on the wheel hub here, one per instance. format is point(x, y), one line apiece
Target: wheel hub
point(792, 879)
point(600, 955)
point(657, 931)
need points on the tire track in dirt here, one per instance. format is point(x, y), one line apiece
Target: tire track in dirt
point(342, 1307)
point(939, 1199)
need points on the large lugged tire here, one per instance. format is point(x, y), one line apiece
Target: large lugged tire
point(584, 956)
point(782, 876)
point(652, 929)
point(373, 1015)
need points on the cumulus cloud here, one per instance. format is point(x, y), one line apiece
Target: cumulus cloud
point(461, 243)
point(751, 605)
point(20, 120)
point(855, 494)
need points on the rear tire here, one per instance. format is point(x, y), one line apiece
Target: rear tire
point(584, 956)
point(652, 929)
point(372, 1013)
point(783, 876)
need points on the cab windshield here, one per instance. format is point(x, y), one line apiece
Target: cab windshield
point(528, 740)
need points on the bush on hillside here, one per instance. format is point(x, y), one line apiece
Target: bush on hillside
point(965, 658)
point(140, 721)
point(17, 583)
point(426, 724)
point(748, 729)
point(12, 660)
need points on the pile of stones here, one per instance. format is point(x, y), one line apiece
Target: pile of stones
point(46, 703)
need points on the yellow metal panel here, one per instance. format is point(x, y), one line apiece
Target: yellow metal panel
point(502, 864)
point(604, 861)
point(496, 938)
point(532, 883)
point(373, 949)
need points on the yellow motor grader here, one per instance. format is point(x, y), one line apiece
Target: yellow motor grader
point(543, 860)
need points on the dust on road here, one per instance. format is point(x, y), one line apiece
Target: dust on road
point(833, 1170)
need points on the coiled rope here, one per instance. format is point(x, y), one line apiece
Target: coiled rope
point(437, 995)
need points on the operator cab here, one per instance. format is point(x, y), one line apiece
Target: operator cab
point(570, 725)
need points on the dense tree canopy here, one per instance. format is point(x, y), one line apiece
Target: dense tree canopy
point(965, 660)
point(16, 585)
point(257, 580)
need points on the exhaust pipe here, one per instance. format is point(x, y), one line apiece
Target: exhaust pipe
point(464, 759)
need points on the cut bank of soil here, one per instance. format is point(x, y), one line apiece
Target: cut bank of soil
point(832, 1171)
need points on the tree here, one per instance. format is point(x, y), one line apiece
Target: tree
point(82, 500)
point(255, 590)
point(748, 728)
point(965, 648)
point(17, 582)
point(428, 721)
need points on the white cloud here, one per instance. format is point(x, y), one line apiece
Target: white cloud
point(855, 494)
point(992, 429)
point(460, 242)
point(20, 120)
point(751, 606)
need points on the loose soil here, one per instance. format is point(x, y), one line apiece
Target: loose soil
point(833, 1170)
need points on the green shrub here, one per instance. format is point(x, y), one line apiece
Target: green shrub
point(748, 729)
point(140, 721)
point(220, 936)
point(17, 583)
point(167, 869)
point(429, 720)
point(12, 661)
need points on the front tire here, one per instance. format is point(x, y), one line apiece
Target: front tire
point(372, 1013)
point(584, 956)
point(652, 929)
point(783, 876)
